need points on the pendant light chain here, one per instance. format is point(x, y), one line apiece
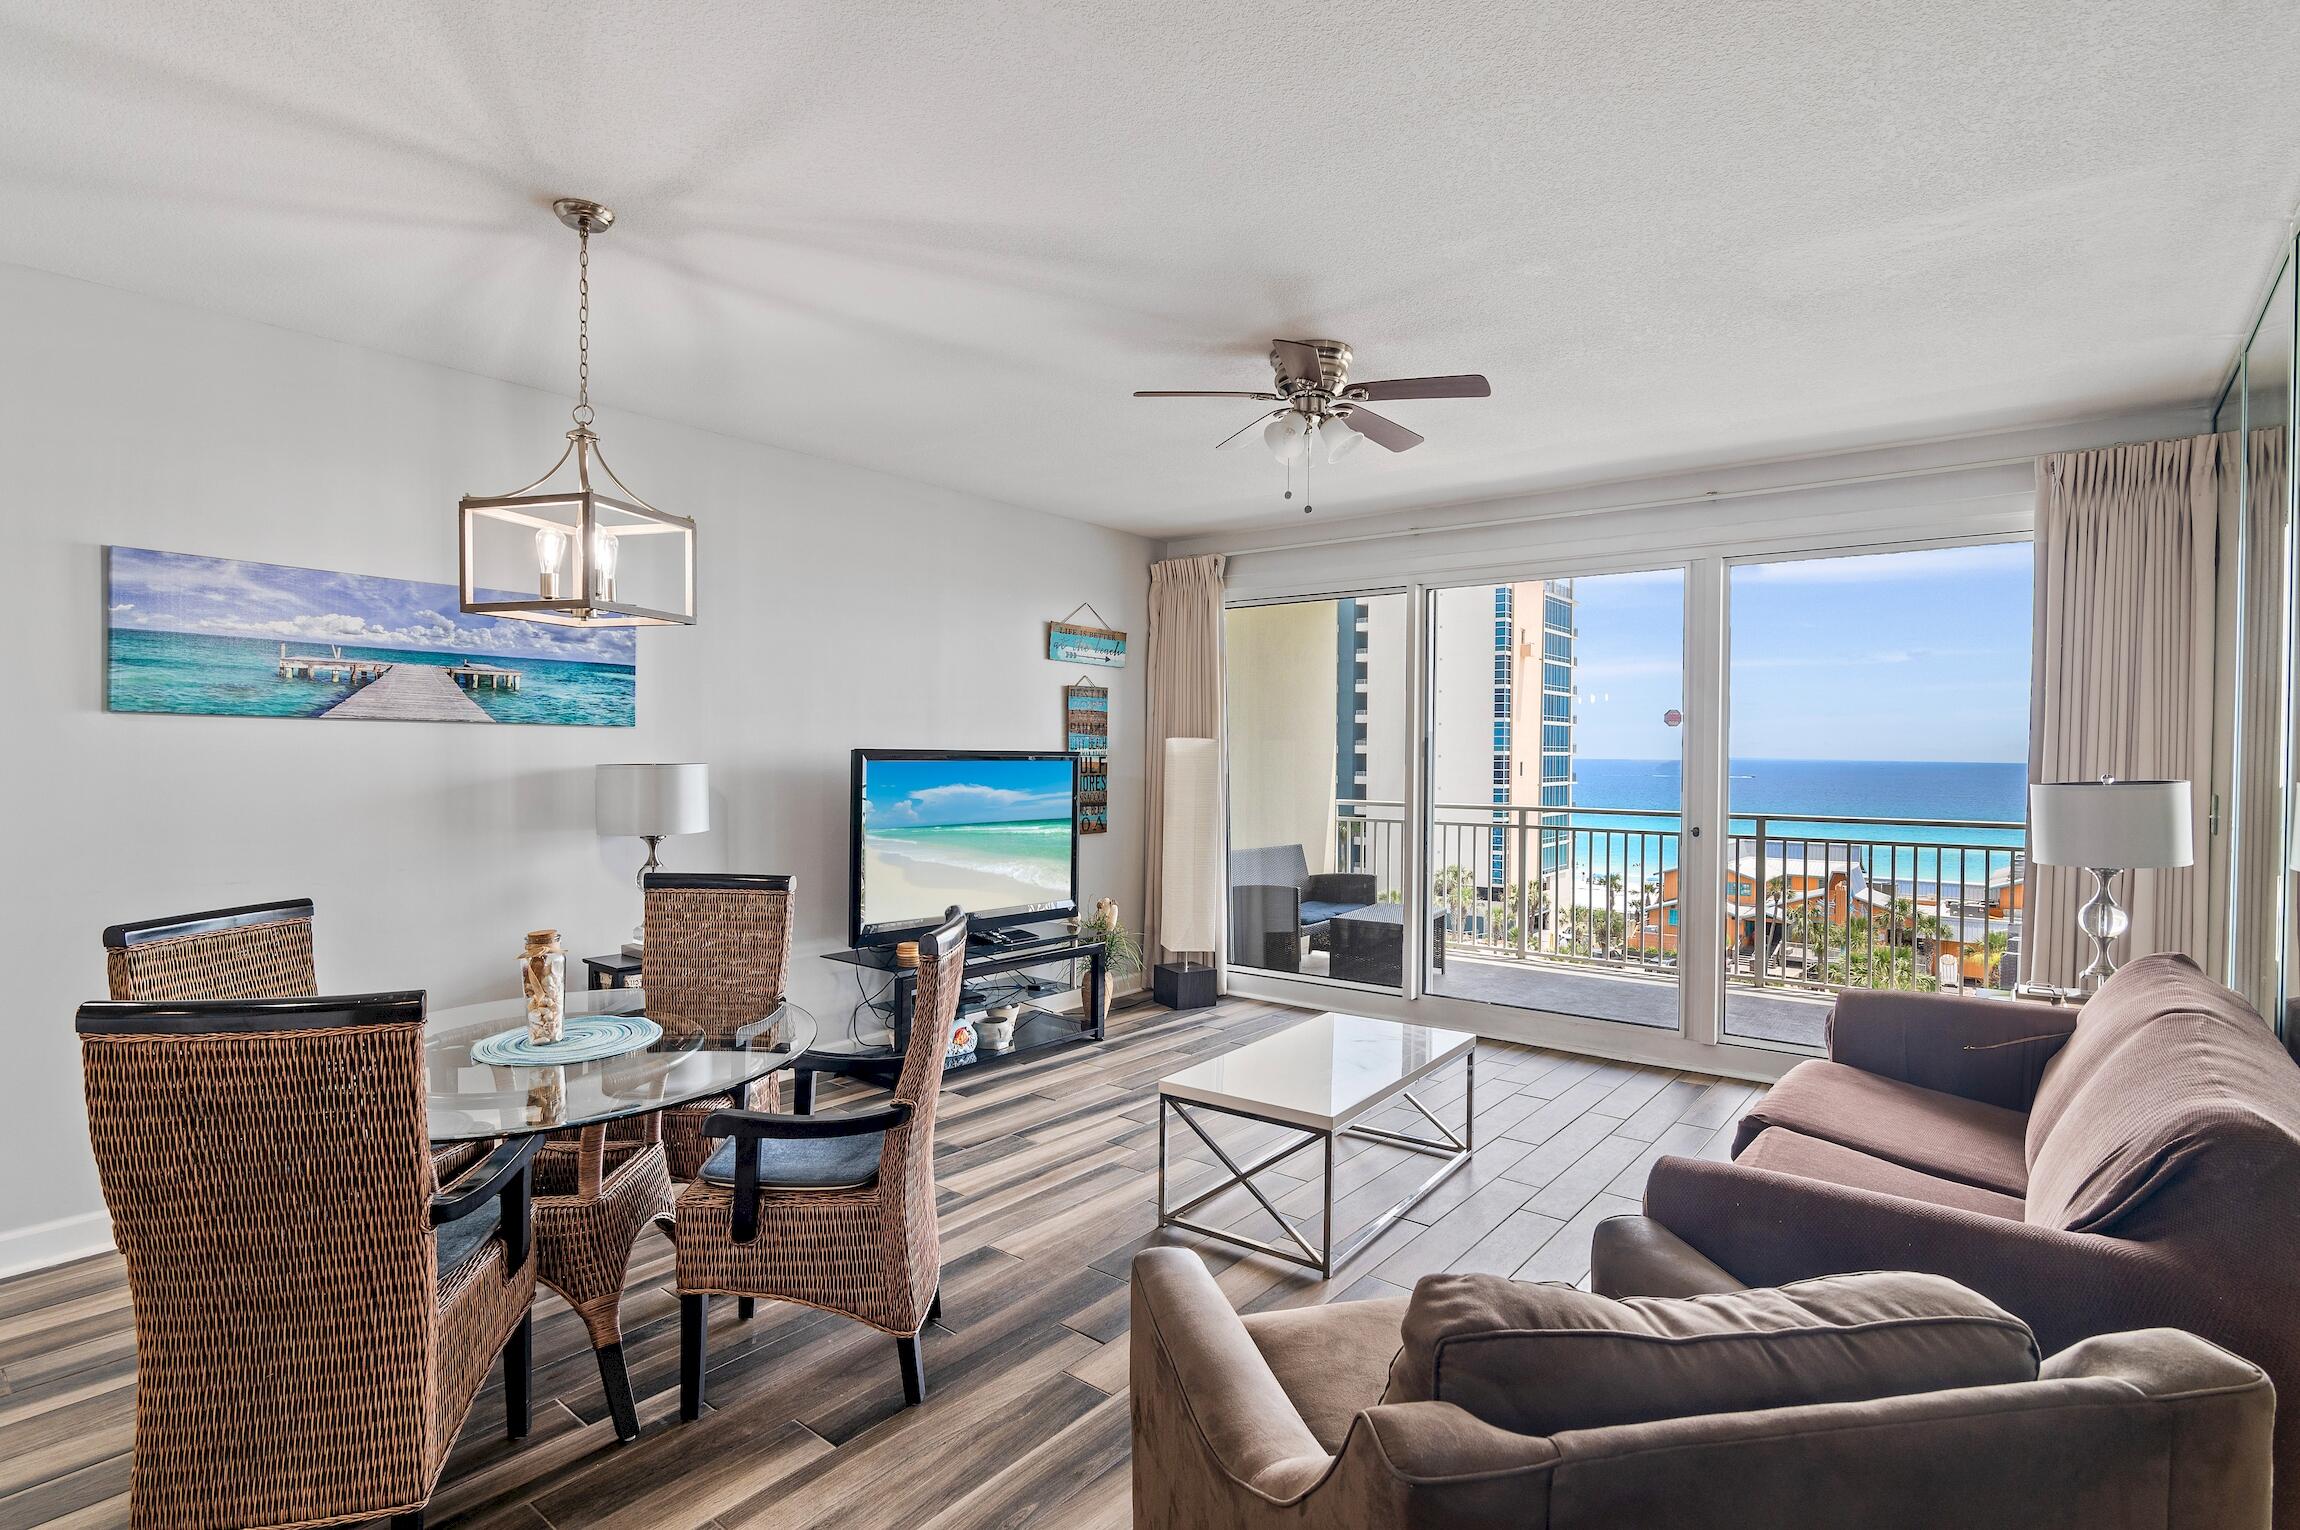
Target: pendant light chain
point(583, 413)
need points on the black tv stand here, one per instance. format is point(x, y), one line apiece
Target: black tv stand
point(1036, 1028)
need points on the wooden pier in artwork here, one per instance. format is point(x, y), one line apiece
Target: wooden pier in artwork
point(409, 693)
point(383, 690)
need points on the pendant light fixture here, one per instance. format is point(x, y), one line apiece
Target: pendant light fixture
point(590, 558)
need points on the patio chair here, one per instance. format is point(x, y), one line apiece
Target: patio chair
point(1276, 903)
point(313, 1319)
point(831, 1211)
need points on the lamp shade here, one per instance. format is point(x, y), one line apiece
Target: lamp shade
point(2110, 824)
point(654, 799)
point(1190, 849)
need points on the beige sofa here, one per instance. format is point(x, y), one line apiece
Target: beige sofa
point(1277, 1419)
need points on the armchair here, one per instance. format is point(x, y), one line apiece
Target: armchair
point(1280, 1419)
point(833, 1211)
point(313, 1317)
point(1276, 902)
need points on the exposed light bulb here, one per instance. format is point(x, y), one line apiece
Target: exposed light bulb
point(1287, 437)
point(603, 552)
point(550, 548)
point(1340, 440)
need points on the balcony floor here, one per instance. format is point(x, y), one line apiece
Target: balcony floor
point(1750, 1014)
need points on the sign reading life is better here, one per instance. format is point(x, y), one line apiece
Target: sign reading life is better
point(1085, 645)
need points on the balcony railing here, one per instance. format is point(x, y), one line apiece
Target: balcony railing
point(1810, 903)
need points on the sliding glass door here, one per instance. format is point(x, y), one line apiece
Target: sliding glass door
point(1317, 708)
point(1556, 794)
point(1877, 777)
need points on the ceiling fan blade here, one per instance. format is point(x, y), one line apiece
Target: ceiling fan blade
point(1469, 385)
point(1380, 431)
point(1299, 360)
point(1245, 433)
point(1188, 393)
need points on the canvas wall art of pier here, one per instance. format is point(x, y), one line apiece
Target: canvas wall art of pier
point(226, 637)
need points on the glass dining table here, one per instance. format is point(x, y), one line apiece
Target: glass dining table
point(597, 1189)
point(691, 1060)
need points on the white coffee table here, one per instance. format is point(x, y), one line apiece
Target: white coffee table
point(1318, 1078)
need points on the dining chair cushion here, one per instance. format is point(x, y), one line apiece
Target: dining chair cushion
point(804, 1163)
point(460, 1239)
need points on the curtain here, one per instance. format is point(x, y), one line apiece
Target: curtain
point(1185, 665)
point(2257, 785)
point(2122, 675)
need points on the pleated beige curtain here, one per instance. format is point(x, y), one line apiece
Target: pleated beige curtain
point(2122, 680)
point(2258, 783)
point(1184, 659)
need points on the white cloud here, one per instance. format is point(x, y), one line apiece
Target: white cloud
point(125, 605)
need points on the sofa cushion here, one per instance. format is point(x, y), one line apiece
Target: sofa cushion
point(1539, 1359)
point(1938, 1134)
point(1316, 911)
point(1787, 1152)
point(2169, 1079)
point(1333, 1361)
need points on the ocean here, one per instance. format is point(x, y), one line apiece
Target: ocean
point(1853, 796)
point(239, 677)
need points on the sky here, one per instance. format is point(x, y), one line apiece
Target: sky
point(224, 597)
point(925, 793)
point(1894, 656)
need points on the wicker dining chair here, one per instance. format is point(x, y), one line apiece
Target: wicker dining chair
point(312, 1319)
point(258, 951)
point(718, 954)
point(831, 1211)
point(255, 951)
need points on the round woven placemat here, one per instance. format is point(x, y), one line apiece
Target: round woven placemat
point(586, 1038)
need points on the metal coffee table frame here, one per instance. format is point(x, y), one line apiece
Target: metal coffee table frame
point(1325, 1258)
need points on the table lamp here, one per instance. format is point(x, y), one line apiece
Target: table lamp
point(2108, 826)
point(649, 802)
point(1189, 872)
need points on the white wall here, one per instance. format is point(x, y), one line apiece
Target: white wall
point(838, 607)
point(1282, 704)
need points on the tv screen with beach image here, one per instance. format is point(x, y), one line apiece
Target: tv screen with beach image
point(992, 836)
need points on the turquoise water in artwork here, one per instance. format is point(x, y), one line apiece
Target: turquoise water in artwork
point(152, 671)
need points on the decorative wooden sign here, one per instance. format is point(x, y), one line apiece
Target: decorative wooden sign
point(1086, 731)
point(1073, 644)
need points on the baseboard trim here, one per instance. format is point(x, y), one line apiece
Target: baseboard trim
point(47, 1244)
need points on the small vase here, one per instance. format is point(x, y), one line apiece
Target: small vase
point(543, 976)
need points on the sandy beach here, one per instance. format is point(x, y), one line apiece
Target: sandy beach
point(901, 884)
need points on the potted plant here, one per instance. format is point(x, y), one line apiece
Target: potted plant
point(1121, 951)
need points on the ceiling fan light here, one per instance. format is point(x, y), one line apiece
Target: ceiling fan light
point(1286, 437)
point(1339, 438)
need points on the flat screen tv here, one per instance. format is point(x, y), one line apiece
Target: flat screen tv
point(994, 832)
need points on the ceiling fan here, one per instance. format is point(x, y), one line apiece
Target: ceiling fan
point(1318, 404)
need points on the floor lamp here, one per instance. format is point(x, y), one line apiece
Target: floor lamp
point(1190, 873)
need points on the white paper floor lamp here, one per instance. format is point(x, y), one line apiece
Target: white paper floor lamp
point(1190, 870)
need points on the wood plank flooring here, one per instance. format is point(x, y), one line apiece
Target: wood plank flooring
point(1048, 1175)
